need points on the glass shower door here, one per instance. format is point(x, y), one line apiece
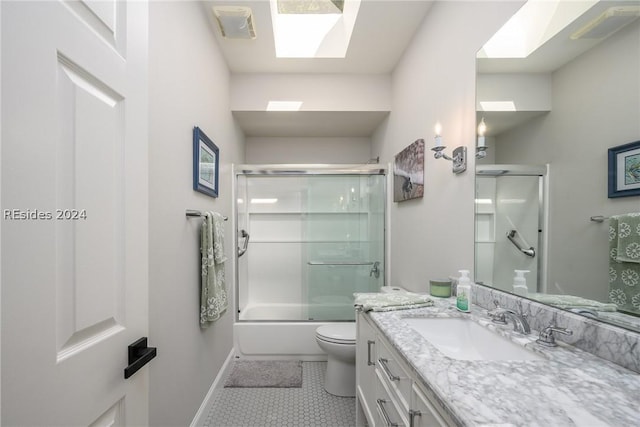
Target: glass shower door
point(344, 231)
point(509, 226)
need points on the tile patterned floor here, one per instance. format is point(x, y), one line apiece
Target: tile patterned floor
point(309, 406)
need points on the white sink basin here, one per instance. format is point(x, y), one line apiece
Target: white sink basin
point(465, 339)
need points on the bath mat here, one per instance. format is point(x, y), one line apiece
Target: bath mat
point(266, 373)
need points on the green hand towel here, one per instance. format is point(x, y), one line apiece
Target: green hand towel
point(572, 301)
point(391, 301)
point(628, 234)
point(624, 277)
point(213, 297)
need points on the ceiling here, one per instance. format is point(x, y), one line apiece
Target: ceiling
point(557, 51)
point(382, 31)
point(550, 56)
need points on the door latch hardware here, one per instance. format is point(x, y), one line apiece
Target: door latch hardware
point(139, 355)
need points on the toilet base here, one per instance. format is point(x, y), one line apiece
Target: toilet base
point(340, 378)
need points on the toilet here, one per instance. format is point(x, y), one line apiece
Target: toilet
point(338, 340)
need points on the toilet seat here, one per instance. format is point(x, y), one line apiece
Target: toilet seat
point(339, 333)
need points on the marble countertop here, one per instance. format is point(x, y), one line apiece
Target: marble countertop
point(570, 388)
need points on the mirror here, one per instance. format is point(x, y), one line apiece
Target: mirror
point(563, 91)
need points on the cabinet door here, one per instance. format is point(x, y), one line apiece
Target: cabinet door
point(365, 370)
point(424, 412)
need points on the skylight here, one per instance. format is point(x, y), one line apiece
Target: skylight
point(498, 106)
point(532, 26)
point(284, 105)
point(313, 28)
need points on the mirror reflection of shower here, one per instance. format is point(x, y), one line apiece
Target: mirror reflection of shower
point(245, 242)
point(510, 225)
point(317, 236)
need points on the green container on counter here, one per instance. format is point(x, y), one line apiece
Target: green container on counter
point(440, 288)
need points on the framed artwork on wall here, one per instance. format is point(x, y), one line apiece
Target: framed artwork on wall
point(408, 172)
point(624, 170)
point(206, 160)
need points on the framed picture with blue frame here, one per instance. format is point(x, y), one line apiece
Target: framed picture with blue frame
point(624, 170)
point(206, 160)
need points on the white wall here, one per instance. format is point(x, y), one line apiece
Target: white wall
point(596, 106)
point(317, 92)
point(269, 150)
point(435, 80)
point(527, 91)
point(189, 83)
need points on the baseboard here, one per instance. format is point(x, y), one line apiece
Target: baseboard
point(199, 418)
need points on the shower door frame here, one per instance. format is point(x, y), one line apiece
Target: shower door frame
point(542, 172)
point(293, 170)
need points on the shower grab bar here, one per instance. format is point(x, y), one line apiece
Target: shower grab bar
point(531, 252)
point(195, 213)
point(340, 263)
point(245, 245)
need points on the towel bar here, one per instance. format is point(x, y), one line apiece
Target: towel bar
point(193, 212)
point(598, 218)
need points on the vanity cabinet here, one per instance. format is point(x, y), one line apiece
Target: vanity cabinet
point(388, 411)
point(365, 370)
point(389, 392)
point(426, 413)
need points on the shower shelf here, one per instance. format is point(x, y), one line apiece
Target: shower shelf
point(310, 241)
point(340, 263)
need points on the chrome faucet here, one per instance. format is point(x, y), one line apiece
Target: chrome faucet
point(548, 339)
point(500, 315)
point(520, 323)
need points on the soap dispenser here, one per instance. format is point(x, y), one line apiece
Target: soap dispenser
point(463, 292)
point(520, 283)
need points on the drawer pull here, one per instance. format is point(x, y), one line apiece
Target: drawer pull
point(387, 420)
point(369, 343)
point(383, 363)
point(412, 414)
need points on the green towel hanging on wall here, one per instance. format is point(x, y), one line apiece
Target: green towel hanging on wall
point(624, 261)
point(213, 297)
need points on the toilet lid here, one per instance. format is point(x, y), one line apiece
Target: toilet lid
point(341, 333)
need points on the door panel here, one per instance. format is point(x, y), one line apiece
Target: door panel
point(74, 143)
point(107, 19)
point(89, 175)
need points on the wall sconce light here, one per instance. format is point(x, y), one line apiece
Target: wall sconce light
point(481, 148)
point(459, 158)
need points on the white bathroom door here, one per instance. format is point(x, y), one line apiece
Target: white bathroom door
point(74, 206)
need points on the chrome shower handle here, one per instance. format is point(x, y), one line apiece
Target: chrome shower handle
point(245, 245)
point(375, 271)
point(531, 252)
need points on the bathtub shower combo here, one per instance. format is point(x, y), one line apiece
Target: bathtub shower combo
point(309, 237)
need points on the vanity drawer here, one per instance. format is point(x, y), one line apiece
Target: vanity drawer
point(388, 412)
point(395, 373)
point(425, 412)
